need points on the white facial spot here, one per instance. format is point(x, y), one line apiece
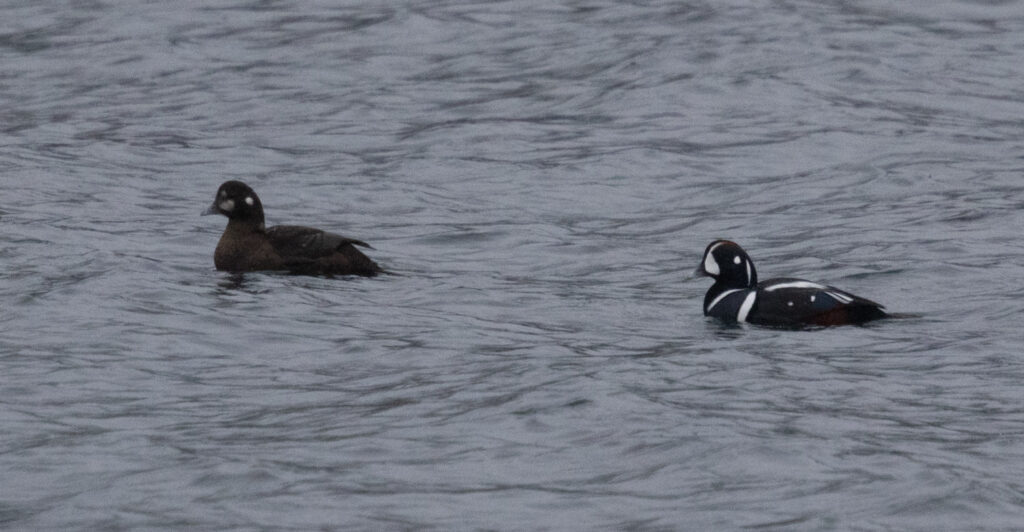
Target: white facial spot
point(227, 205)
point(812, 299)
point(736, 260)
point(789, 303)
point(248, 200)
point(223, 193)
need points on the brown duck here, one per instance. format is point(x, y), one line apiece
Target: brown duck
point(247, 245)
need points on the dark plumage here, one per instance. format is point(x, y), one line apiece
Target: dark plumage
point(736, 295)
point(247, 245)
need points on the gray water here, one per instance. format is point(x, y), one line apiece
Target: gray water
point(543, 176)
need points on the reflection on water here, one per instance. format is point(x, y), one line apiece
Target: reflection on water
point(233, 281)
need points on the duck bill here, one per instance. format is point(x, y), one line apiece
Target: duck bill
point(211, 210)
point(699, 272)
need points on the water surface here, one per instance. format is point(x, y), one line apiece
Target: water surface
point(543, 176)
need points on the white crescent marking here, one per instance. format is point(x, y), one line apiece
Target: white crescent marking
point(748, 303)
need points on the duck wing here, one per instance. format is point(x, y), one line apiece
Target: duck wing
point(308, 242)
point(807, 302)
point(311, 250)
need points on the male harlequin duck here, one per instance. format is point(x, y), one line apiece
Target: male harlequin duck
point(247, 245)
point(736, 295)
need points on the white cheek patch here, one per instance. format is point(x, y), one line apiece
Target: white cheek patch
point(710, 265)
point(227, 205)
point(248, 201)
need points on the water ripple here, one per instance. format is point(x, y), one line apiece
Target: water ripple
point(541, 178)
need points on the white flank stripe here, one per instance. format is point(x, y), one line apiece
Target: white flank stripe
point(794, 284)
point(842, 298)
point(748, 303)
point(721, 296)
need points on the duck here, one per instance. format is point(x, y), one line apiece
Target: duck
point(737, 297)
point(248, 245)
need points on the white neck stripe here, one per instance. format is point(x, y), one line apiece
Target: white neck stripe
point(721, 296)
